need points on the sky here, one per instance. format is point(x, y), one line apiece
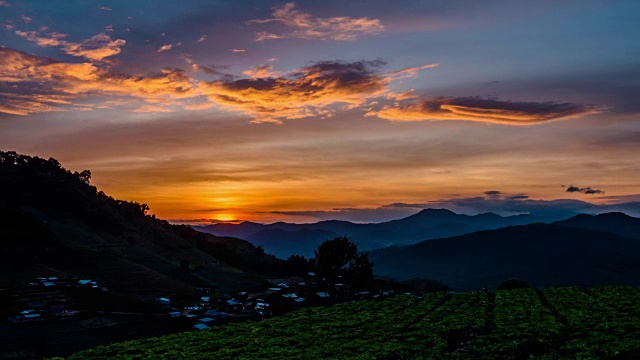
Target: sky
point(311, 110)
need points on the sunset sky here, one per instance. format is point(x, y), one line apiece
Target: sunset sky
point(309, 110)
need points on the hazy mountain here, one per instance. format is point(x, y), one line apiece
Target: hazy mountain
point(427, 224)
point(280, 242)
point(614, 222)
point(542, 254)
point(53, 222)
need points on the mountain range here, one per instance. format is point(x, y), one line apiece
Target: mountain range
point(285, 239)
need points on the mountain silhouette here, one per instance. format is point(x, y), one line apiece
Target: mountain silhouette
point(424, 225)
point(541, 254)
point(613, 222)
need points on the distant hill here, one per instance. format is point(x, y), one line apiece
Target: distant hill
point(427, 224)
point(541, 254)
point(280, 242)
point(614, 222)
point(54, 222)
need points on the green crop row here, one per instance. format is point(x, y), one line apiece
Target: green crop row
point(598, 330)
point(446, 329)
point(523, 327)
point(600, 324)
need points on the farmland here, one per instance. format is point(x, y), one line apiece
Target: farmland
point(555, 323)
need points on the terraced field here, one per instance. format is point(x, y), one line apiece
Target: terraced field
point(557, 323)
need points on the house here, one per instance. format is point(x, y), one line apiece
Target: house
point(175, 313)
point(205, 298)
point(84, 282)
point(206, 320)
point(215, 314)
point(323, 295)
point(200, 327)
point(164, 301)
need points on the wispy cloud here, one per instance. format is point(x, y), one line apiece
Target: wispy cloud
point(238, 51)
point(151, 109)
point(35, 84)
point(165, 48)
point(263, 71)
point(307, 26)
point(104, 8)
point(202, 38)
point(4, 3)
point(324, 83)
point(266, 95)
point(94, 48)
point(483, 110)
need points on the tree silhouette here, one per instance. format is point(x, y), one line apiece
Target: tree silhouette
point(339, 257)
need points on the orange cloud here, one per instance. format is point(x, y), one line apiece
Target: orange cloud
point(307, 92)
point(45, 84)
point(35, 84)
point(483, 110)
point(95, 48)
point(264, 71)
point(307, 26)
point(408, 72)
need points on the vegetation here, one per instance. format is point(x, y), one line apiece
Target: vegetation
point(339, 258)
point(557, 323)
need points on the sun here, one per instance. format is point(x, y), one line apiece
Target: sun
point(225, 217)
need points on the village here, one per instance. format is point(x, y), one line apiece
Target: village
point(61, 314)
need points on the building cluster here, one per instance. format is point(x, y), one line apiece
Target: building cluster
point(282, 297)
point(47, 298)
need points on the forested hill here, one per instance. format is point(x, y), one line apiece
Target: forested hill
point(54, 222)
point(541, 254)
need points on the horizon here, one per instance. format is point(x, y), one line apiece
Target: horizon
point(303, 111)
point(565, 215)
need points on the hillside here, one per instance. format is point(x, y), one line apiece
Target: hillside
point(285, 239)
point(615, 222)
point(541, 254)
point(557, 323)
point(55, 223)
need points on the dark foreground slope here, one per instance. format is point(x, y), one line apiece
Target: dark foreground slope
point(543, 255)
point(54, 223)
point(559, 323)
